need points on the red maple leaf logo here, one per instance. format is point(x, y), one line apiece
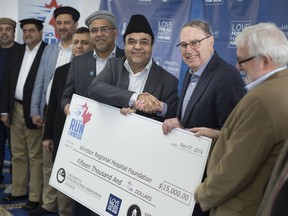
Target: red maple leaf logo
point(52, 21)
point(86, 115)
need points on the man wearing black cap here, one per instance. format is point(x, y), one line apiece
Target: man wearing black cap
point(137, 82)
point(7, 36)
point(15, 110)
point(55, 55)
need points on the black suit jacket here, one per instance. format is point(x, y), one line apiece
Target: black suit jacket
point(13, 70)
point(82, 72)
point(218, 90)
point(55, 118)
point(111, 87)
point(4, 61)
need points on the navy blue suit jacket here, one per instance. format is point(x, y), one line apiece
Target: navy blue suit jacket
point(218, 90)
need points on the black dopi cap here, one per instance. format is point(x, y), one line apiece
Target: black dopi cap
point(67, 10)
point(138, 23)
point(37, 22)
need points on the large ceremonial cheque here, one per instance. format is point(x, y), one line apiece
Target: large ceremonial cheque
point(124, 165)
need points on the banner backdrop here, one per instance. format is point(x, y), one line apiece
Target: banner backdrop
point(227, 18)
point(165, 21)
point(43, 10)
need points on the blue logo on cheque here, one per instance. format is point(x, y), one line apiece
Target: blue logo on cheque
point(77, 124)
point(113, 205)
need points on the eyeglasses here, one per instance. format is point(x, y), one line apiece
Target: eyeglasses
point(245, 60)
point(194, 44)
point(102, 29)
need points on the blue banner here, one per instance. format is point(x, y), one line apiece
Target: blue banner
point(227, 18)
point(166, 19)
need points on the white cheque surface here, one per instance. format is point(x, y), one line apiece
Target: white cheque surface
point(124, 165)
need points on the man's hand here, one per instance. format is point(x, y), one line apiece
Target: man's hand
point(169, 124)
point(203, 131)
point(128, 110)
point(38, 121)
point(148, 103)
point(67, 109)
point(5, 120)
point(48, 145)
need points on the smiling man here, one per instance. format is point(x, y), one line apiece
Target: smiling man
point(55, 117)
point(54, 55)
point(7, 36)
point(211, 87)
point(102, 25)
point(243, 157)
point(26, 145)
point(137, 82)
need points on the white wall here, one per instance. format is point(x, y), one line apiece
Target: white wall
point(11, 10)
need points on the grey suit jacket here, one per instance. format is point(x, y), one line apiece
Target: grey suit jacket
point(45, 73)
point(81, 73)
point(111, 87)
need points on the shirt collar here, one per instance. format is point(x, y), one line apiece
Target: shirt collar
point(34, 49)
point(146, 69)
point(61, 47)
point(200, 71)
point(262, 78)
point(112, 54)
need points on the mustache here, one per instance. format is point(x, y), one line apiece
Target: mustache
point(63, 30)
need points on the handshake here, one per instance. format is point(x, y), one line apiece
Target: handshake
point(146, 103)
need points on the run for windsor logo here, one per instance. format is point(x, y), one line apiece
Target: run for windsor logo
point(78, 123)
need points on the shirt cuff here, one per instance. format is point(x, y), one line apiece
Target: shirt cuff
point(133, 99)
point(164, 110)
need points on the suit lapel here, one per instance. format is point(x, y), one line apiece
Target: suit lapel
point(119, 53)
point(17, 65)
point(185, 84)
point(36, 61)
point(124, 77)
point(152, 79)
point(91, 65)
point(198, 91)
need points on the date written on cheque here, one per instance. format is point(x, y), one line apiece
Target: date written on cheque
point(191, 149)
point(175, 192)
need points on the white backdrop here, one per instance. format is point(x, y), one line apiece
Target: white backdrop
point(11, 10)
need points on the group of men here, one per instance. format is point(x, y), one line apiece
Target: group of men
point(249, 128)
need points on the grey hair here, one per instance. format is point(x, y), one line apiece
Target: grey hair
point(200, 24)
point(265, 39)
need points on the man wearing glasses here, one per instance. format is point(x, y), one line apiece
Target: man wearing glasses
point(84, 68)
point(103, 32)
point(211, 87)
point(254, 134)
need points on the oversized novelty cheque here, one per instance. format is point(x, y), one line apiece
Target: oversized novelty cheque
point(124, 165)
